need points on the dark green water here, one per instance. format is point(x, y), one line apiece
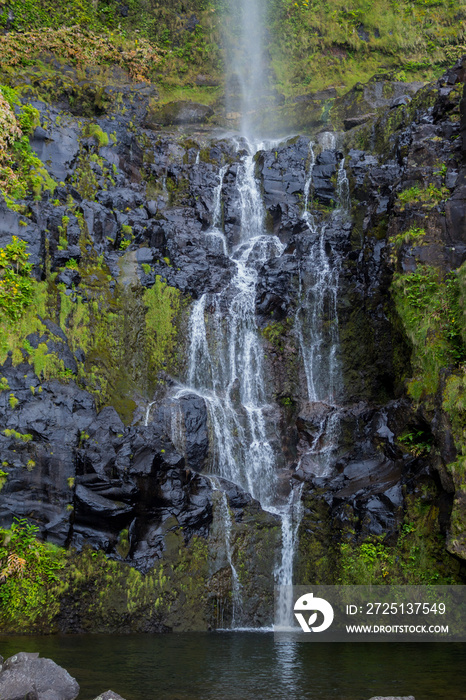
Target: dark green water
point(250, 666)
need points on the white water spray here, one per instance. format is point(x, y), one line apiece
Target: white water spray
point(246, 72)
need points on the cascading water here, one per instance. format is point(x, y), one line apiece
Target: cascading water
point(226, 356)
point(230, 378)
point(226, 369)
point(317, 322)
point(236, 592)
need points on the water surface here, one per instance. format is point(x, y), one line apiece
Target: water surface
point(250, 666)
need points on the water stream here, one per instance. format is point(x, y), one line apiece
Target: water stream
point(316, 322)
point(226, 369)
point(225, 348)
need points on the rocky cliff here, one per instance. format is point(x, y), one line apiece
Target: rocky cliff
point(108, 250)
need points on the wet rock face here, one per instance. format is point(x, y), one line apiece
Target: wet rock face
point(178, 113)
point(144, 204)
point(85, 478)
point(370, 471)
point(374, 480)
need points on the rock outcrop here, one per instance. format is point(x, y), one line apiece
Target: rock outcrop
point(119, 252)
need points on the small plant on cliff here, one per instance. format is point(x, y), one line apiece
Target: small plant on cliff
point(417, 442)
point(16, 286)
point(413, 235)
point(24, 437)
point(428, 197)
point(96, 132)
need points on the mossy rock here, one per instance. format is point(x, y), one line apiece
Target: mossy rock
point(178, 114)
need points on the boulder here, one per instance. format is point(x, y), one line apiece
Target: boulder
point(109, 695)
point(39, 679)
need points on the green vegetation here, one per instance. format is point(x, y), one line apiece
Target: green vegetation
point(152, 42)
point(24, 437)
point(4, 386)
point(128, 237)
point(428, 197)
point(429, 308)
point(16, 285)
point(106, 324)
point(276, 331)
point(164, 306)
point(39, 580)
point(417, 558)
point(412, 236)
point(313, 44)
point(96, 132)
point(21, 171)
point(317, 42)
point(345, 556)
point(29, 570)
point(416, 442)
point(3, 478)
point(13, 401)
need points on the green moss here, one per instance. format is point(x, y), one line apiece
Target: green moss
point(13, 401)
point(16, 286)
point(24, 437)
point(96, 132)
point(413, 235)
point(124, 544)
point(275, 332)
point(4, 386)
point(163, 310)
point(427, 197)
point(107, 325)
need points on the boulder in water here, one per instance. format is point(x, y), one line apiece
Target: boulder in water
point(25, 675)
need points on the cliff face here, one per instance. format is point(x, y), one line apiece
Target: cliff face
point(93, 353)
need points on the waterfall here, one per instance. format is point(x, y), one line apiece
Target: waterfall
point(316, 317)
point(246, 73)
point(215, 232)
point(291, 519)
point(225, 364)
point(343, 189)
point(224, 512)
point(226, 369)
point(317, 322)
